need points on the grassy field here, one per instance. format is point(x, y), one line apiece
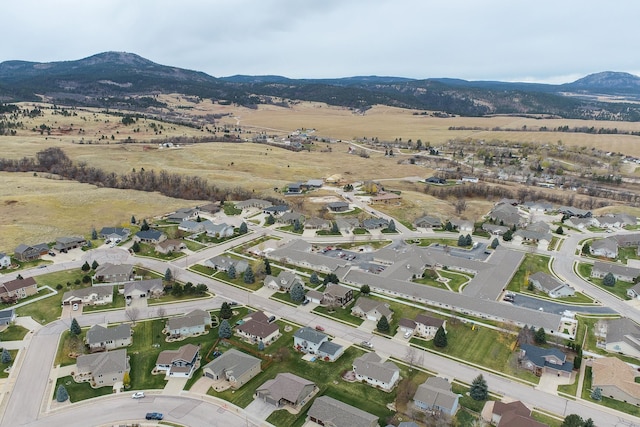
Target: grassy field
point(531, 264)
point(79, 391)
point(13, 333)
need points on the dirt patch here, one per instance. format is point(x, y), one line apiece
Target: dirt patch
point(325, 199)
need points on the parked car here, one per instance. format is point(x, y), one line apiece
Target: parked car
point(232, 303)
point(366, 344)
point(154, 416)
point(305, 302)
point(51, 253)
point(137, 395)
point(75, 307)
point(408, 334)
point(319, 328)
point(272, 319)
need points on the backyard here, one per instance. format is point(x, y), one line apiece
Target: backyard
point(532, 263)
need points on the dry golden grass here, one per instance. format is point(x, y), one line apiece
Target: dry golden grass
point(35, 209)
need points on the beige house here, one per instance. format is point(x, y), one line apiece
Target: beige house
point(95, 295)
point(257, 328)
point(427, 326)
point(170, 245)
point(616, 379)
point(371, 309)
point(286, 389)
point(192, 323)
point(18, 289)
point(233, 366)
point(100, 338)
point(102, 369)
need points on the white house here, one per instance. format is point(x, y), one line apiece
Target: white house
point(5, 260)
point(427, 326)
point(550, 285)
point(178, 363)
point(308, 340)
point(371, 369)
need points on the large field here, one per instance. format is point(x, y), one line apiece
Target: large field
point(34, 208)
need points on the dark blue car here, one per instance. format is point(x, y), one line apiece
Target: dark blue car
point(154, 416)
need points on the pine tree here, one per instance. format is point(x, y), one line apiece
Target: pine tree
point(588, 423)
point(392, 226)
point(334, 227)
point(243, 228)
point(468, 240)
point(383, 324)
point(61, 394)
point(86, 266)
point(440, 340)
point(135, 247)
point(225, 311)
point(225, 329)
point(540, 337)
point(94, 234)
point(168, 275)
point(596, 394)
point(314, 279)
point(231, 272)
point(461, 240)
point(479, 389)
point(248, 276)
point(270, 220)
point(297, 292)
point(6, 356)
point(448, 226)
point(609, 280)
point(94, 265)
point(494, 243)
point(133, 219)
point(261, 346)
point(560, 230)
point(572, 420)
point(144, 226)
point(267, 266)
point(75, 327)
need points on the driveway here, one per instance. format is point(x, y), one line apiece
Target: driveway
point(550, 382)
point(260, 409)
point(174, 386)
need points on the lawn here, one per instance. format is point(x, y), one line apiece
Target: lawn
point(150, 251)
point(4, 366)
point(341, 314)
point(80, 391)
point(193, 246)
point(619, 289)
point(203, 269)
point(230, 209)
point(441, 241)
point(532, 263)
point(69, 344)
point(285, 298)
point(13, 333)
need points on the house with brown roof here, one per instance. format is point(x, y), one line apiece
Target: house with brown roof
point(170, 246)
point(512, 414)
point(371, 369)
point(18, 289)
point(327, 411)
point(336, 294)
point(102, 369)
point(178, 363)
point(616, 379)
point(371, 309)
point(427, 326)
point(192, 323)
point(256, 328)
point(286, 389)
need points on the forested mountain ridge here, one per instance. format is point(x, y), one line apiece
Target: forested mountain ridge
point(126, 80)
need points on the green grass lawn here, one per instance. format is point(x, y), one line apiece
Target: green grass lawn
point(164, 299)
point(284, 297)
point(230, 209)
point(13, 333)
point(80, 391)
point(430, 281)
point(359, 231)
point(69, 344)
point(532, 263)
point(150, 251)
point(339, 313)
point(193, 246)
point(290, 229)
point(619, 289)
point(203, 269)
point(431, 241)
point(456, 279)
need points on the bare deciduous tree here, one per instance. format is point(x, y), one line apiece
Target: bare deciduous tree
point(133, 314)
point(460, 206)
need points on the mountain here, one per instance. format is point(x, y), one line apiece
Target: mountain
point(128, 81)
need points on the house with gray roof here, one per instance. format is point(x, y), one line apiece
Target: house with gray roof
point(192, 323)
point(94, 295)
point(580, 223)
point(435, 395)
point(151, 236)
point(496, 230)
point(570, 211)
point(291, 218)
point(375, 223)
point(621, 335)
point(192, 227)
point(276, 210)
point(371, 369)
point(183, 214)
point(347, 224)
point(317, 224)
point(607, 248)
point(223, 262)
point(550, 285)
point(428, 221)
point(5, 260)
point(327, 411)
point(371, 309)
point(338, 206)
point(286, 389)
point(233, 366)
point(253, 203)
point(29, 253)
point(620, 272)
point(533, 236)
point(100, 338)
point(628, 240)
point(311, 341)
point(113, 273)
point(69, 242)
point(540, 360)
point(219, 231)
point(298, 252)
point(506, 214)
point(7, 316)
point(114, 233)
point(283, 282)
point(152, 288)
point(102, 369)
point(170, 245)
point(462, 225)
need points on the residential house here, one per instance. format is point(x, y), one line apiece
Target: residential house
point(512, 414)
point(169, 246)
point(114, 233)
point(253, 203)
point(347, 224)
point(616, 379)
point(286, 389)
point(256, 328)
point(428, 222)
point(178, 363)
point(68, 243)
point(496, 230)
point(539, 206)
point(462, 225)
point(113, 273)
point(327, 411)
point(384, 197)
point(435, 180)
point(233, 366)
point(508, 215)
point(151, 237)
point(192, 323)
point(276, 210)
point(371, 369)
point(283, 282)
point(338, 207)
point(621, 336)
point(550, 285)
point(607, 248)
point(294, 188)
point(406, 326)
point(540, 360)
point(18, 289)
point(314, 296)
point(532, 236)
point(371, 309)
point(471, 179)
point(100, 338)
point(620, 272)
point(311, 341)
point(335, 294)
point(223, 262)
point(5, 260)
point(7, 316)
point(579, 223)
point(291, 218)
point(30, 253)
point(634, 291)
point(435, 395)
point(375, 223)
point(317, 224)
point(152, 288)
point(569, 211)
point(210, 208)
point(193, 227)
point(628, 240)
point(314, 184)
point(183, 214)
point(219, 231)
point(94, 295)
point(102, 369)
point(427, 326)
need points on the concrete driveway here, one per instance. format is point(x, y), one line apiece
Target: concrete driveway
point(174, 386)
point(549, 382)
point(260, 409)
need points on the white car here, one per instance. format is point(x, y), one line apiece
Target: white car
point(75, 307)
point(366, 344)
point(137, 395)
point(408, 334)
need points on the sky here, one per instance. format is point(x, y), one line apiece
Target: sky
point(506, 40)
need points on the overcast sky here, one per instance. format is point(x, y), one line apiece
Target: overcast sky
point(510, 40)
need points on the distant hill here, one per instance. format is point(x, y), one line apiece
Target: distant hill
point(126, 80)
